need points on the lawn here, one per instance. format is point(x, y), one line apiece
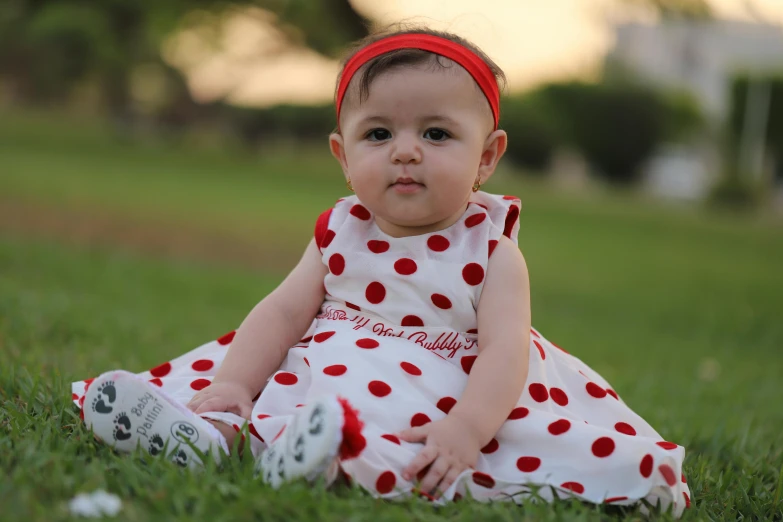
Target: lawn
point(680, 309)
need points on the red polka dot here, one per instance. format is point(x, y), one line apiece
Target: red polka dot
point(306, 340)
point(518, 413)
point(74, 397)
point(528, 464)
point(412, 320)
point(491, 447)
point(199, 384)
point(612, 393)
point(386, 482)
point(446, 403)
point(391, 438)
point(475, 219)
point(377, 247)
point(405, 266)
point(156, 382)
point(227, 338)
point(410, 368)
point(306, 361)
point(202, 365)
point(682, 478)
point(538, 392)
point(438, 243)
point(328, 237)
point(353, 306)
point(162, 370)
point(254, 433)
point(511, 198)
point(87, 382)
point(624, 427)
point(473, 274)
point(336, 264)
point(286, 378)
point(441, 301)
point(375, 292)
point(536, 334)
point(262, 416)
point(540, 350)
point(614, 499)
point(595, 390)
point(484, 480)
point(492, 244)
point(420, 419)
point(467, 363)
point(687, 500)
point(645, 467)
point(511, 219)
point(667, 445)
point(603, 447)
point(322, 336)
point(279, 432)
point(367, 344)
point(473, 331)
point(668, 474)
point(576, 487)
point(559, 396)
point(360, 212)
point(559, 427)
point(335, 370)
point(379, 388)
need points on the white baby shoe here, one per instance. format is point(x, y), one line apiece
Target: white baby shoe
point(308, 448)
point(126, 411)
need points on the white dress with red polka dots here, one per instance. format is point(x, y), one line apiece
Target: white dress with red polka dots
point(397, 336)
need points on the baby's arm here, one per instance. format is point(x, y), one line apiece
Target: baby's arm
point(498, 376)
point(271, 328)
point(496, 379)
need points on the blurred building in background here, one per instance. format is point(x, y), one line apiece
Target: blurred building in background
point(702, 57)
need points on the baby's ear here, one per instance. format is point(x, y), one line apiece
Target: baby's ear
point(494, 148)
point(337, 146)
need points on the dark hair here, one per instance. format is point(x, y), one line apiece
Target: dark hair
point(408, 57)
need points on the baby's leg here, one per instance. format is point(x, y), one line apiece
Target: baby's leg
point(229, 433)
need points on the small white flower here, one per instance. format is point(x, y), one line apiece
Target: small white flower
point(95, 504)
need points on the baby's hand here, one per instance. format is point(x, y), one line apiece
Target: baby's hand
point(451, 447)
point(223, 396)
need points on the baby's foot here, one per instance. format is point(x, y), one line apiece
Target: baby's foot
point(147, 418)
point(307, 447)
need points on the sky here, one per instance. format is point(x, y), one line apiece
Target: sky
point(533, 41)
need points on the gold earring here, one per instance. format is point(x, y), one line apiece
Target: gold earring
point(477, 185)
point(348, 184)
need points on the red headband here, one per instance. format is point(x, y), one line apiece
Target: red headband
point(477, 68)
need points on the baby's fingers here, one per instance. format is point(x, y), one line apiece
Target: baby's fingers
point(421, 461)
point(433, 477)
point(211, 405)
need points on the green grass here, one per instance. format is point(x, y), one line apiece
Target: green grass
point(679, 309)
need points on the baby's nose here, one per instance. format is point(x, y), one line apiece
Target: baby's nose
point(406, 150)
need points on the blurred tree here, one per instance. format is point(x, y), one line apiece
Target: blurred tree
point(678, 9)
point(46, 46)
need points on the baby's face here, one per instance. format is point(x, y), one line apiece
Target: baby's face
point(413, 149)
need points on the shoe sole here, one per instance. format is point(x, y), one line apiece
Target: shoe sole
point(126, 412)
point(307, 448)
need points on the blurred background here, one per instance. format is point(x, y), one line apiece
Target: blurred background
point(123, 121)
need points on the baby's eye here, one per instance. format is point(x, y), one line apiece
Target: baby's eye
point(436, 134)
point(378, 135)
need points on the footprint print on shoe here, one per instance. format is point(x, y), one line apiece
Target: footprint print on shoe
point(156, 444)
point(180, 458)
point(122, 426)
point(107, 391)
